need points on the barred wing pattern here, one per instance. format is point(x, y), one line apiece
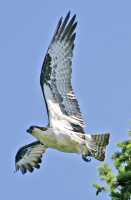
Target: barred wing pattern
point(29, 157)
point(55, 78)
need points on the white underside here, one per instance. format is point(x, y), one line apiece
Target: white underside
point(61, 135)
point(66, 141)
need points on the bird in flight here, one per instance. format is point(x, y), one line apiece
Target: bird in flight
point(65, 130)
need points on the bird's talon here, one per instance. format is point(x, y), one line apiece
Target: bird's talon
point(86, 159)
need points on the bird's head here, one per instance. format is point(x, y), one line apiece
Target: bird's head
point(34, 129)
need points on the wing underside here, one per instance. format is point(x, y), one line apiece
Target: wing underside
point(29, 157)
point(55, 77)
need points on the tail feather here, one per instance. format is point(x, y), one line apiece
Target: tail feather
point(99, 143)
point(101, 140)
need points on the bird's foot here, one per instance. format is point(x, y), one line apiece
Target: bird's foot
point(84, 157)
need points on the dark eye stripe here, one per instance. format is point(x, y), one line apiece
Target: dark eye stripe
point(41, 128)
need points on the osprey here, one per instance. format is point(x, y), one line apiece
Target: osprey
point(65, 130)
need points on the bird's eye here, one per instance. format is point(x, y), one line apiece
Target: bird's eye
point(31, 128)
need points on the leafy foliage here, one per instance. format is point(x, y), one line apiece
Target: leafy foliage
point(118, 184)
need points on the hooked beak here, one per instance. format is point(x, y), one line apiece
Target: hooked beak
point(28, 131)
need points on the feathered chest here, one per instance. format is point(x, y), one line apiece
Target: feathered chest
point(59, 139)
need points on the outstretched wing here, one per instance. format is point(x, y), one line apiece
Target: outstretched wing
point(29, 157)
point(55, 78)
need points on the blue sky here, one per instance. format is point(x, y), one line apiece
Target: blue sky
point(101, 80)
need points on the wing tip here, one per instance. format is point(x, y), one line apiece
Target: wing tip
point(64, 26)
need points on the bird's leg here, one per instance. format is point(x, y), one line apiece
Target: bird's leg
point(85, 153)
point(83, 147)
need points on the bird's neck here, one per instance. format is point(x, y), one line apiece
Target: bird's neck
point(42, 136)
